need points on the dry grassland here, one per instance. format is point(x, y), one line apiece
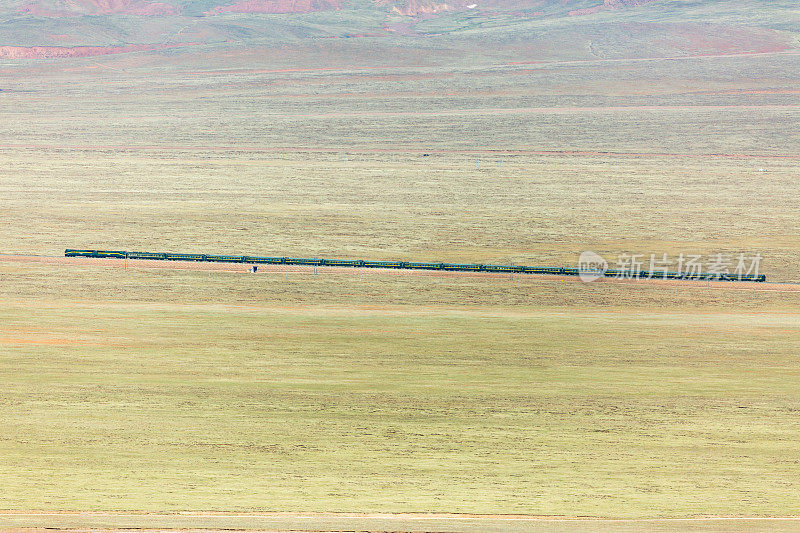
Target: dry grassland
point(526, 209)
point(178, 390)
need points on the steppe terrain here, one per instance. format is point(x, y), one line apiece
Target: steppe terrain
point(507, 132)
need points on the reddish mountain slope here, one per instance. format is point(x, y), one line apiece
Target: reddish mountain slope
point(47, 52)
point(61, 8)
point(609, 4)
point(277, 6)
point(415, 8)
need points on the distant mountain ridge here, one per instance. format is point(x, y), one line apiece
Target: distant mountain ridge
point(62, 8)
point(563, 29)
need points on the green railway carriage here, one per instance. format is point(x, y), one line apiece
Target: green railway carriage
point(658, 274)
point(343, 262)
point(383, 264)
point(422, 266)
point(184, 257)
point(267, 260)
point(146, 255)
point(640, 274)
point(694, 275)
point(225, 258)
point(543, 270)
point(104, 253)
point(461, 267)
point(503, 268)
point(303, 261)
point(115, 254)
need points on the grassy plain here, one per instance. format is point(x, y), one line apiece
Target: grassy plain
point(526, 209)
point(175, 390)
point(481, 160)
point(130, 389)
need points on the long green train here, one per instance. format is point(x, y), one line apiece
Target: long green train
point(407, 265)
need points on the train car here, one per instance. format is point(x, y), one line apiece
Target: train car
point(461, 267)
point(413, 265)
point(114, 254)
point(69, 252)
point(223, 258)
point(503, 268)
point(571, 271)
point(343, 262)
point(643, 274)
point(267, 260)
point(184, 257)
point(695, 276)
point(146, 255)
point(665, 275)
point(743, 277)
point(543, 270)
point(303, 261)
point(383, 264)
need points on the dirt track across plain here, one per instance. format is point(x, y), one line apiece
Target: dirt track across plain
point(398, 150)
point(30, 522)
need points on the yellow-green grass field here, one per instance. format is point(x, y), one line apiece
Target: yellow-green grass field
point(178, 390)
point(523, 209)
